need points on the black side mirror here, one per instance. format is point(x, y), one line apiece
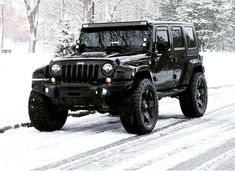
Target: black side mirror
point(162, 46)
point(82, 48)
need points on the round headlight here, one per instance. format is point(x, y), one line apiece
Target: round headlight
point(55, 69)
point(107, 69)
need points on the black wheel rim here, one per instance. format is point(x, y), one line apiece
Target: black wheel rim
point(148, 106)
point(201, 94)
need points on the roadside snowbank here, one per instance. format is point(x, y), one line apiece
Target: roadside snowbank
point(16, 71)
point(219, 67)
point(15, 85)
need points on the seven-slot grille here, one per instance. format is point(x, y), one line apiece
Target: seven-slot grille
point(79, 73)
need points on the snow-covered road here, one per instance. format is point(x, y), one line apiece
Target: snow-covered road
point(99, 142)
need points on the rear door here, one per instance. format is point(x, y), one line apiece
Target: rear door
point(191, 44)
point(163, 69)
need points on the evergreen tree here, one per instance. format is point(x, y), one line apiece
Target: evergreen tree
point(66, 40)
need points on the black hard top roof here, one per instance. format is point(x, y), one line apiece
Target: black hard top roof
point(170, 23)
point(130, 24)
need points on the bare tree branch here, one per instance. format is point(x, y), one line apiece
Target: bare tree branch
point(74, 12)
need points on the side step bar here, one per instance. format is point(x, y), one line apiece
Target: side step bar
point(171, 93)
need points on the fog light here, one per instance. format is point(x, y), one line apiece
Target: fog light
point(46, 90)
point(53, 80)
point(108, 80)
point(104, 91)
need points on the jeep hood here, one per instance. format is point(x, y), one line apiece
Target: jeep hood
point(123, 58)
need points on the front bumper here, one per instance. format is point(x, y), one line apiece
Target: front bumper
point(81, 95)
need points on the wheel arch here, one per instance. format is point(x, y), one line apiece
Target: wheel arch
point(143, 72)
point(194, 65)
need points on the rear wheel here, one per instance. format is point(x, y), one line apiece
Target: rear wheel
point(140, 112)
point(193, 102)
point(44, 115)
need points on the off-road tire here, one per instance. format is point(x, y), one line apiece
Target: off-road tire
point(140, 109)
point(193, 101)
point(44, 115)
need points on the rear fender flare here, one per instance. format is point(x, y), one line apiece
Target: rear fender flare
point(194, 65)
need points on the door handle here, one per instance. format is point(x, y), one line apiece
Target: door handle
point(171, 57)
point(157, 58)
point(174, 59)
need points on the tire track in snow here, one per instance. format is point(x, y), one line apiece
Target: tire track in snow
point(133, 149)
point(184, 152)
point(209, 160)
point(92, 156)
point(103, 148)
point(222, 86)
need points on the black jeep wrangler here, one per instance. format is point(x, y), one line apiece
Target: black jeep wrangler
point(123, 68)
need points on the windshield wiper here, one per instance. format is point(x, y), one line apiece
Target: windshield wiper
point(94, 49)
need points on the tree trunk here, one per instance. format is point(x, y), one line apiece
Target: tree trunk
point(87, 11)
point(32, 44)
point(32, 13)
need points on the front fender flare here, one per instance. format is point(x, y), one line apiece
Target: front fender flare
point(144, 71)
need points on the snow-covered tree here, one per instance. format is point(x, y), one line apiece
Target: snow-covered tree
point(126, 10)
point(212, 19)
point(60, 19)
point(66, 40)
point(78, 12)
point(168, 10)
point(32, 8)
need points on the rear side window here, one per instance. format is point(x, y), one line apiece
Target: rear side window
point(178, 40)
point(190, 37)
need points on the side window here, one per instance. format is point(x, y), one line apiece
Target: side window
point(178, 40)
point(162, 38)
point(190, 37)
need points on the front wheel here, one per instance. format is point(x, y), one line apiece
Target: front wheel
point(140, 110)
point(193, 102)
point(44, 115)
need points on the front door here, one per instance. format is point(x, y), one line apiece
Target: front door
point(163, 70)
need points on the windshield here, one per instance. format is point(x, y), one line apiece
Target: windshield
point(115, 41)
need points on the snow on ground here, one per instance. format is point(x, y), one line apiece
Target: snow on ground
point(16, 71)
point(15, 85)
point(219, 68)
point(98, 141)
